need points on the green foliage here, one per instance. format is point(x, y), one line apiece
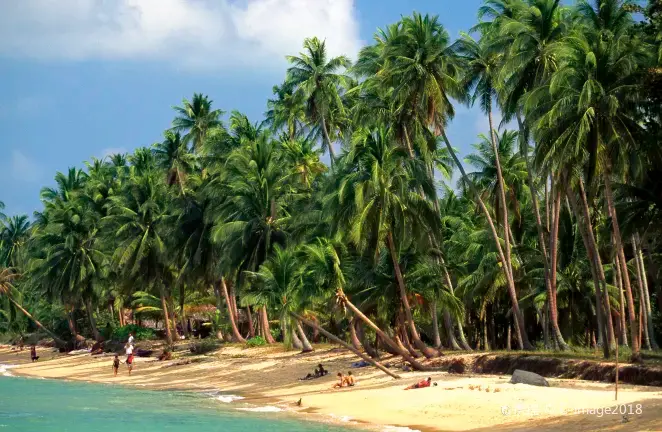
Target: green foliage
point(121, 334)
point(256, 342)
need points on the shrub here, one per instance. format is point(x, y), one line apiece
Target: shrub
point(256, 342)
point(140, 333)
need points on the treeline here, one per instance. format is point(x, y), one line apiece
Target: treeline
point(551, 238)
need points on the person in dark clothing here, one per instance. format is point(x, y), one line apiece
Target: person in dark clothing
point(33, 353)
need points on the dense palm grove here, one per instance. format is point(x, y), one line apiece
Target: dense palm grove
point(551, 238)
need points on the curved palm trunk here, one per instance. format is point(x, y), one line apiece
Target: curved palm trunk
point(344, 344)
point(554, 242)
point(520, 328)
point(37, 323)
point(367, 346)
point(166, 318)
point(418, 343)
point(463, 340)
point(173, 318)
point(296, 342)
point(586, 231)
point(233, 323)
point(93, 323)
point(616, 231)
point(249, 316)
point(380, 333)
point(353, 337)
point(307, 347)
point(643, 316)
point(646, 293)
point(436, 338)
point(448, 324)
point(541, 236)
point(325, 131)
point(619, 284)
point(265, 325)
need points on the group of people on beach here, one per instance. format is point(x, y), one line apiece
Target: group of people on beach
point(129, 357)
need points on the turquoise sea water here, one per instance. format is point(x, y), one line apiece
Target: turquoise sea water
point(28, 405)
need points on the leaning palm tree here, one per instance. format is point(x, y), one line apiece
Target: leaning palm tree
point(7, 289)
point(196, 117)
point(424, 84)
point(386, 207)
point(319, 79)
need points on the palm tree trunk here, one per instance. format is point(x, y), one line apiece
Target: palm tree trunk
point(265, 323)
point(120, 313)
point(449, 282)
point(325, 131)
point(545, 326)
point(554, 241)
point(164, 308)
point(551, 289)
point(418, 343)
point(296, 342)
point(249, 316)
point(173, 318)
point(233, 300)
point(37, 323)
point(520, 328)
point(619, 284)
point(643, 312)
point(182, 314)
point(90, 317)
point(586, 231)
point(646, 293)
point(344, 344)
point(448, 325)
point(307, 347)
point(233, 323)
point(367, 346)
point(436, 338)
point(353, 337)
point(383, 336)
point(634, 329)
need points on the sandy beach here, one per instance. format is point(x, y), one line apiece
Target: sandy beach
point(269, 377)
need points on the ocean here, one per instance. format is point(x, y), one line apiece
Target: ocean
point(39, 405)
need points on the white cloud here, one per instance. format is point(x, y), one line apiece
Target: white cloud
point(216, 34)
point(24, 168)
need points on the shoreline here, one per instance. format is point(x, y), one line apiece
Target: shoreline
point(267, 376)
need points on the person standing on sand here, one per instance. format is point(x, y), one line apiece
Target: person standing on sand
point(33, 353)
point(116, 364)
point(130, 342)
point(129, 357)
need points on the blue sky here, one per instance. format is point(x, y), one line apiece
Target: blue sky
point(84, 78)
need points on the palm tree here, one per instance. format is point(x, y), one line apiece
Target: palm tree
point(592, 121)
point(14, 236)
point(287, 111)
point(426, 84)
point(7, 289)
point(318, 78)
point(137, 221)
point(196, 117)
point(384, 203)
point(173, 157)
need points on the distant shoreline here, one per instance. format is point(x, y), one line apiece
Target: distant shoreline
point(268, 377)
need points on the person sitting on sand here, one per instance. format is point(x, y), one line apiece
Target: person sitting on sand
point(116, 364)
point(320, 371)
point(421, 384)
point(349, 379)
point(341, 381)
point(33, 353)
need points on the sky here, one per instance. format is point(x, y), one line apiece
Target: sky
point(89, 78)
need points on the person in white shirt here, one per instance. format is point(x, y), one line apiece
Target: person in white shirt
point(130, 339)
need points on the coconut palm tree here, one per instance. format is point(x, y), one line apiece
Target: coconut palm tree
point(319, 79)
point(173, 157)
point(14, 236)
point(7, 290)
point(287, 111)
point(196, 118)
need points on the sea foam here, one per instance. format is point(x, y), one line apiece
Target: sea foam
point(264, 409)
point(228, 398)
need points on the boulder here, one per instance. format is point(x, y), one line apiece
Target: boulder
point(530, 378)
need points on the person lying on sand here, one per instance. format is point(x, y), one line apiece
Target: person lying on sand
point(421, 384)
